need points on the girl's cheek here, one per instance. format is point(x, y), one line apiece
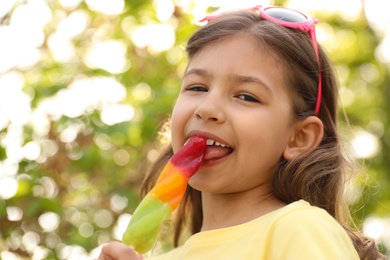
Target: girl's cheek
point(181, 116)
point(177, 129)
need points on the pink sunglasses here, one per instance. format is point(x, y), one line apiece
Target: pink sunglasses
point(292, 19)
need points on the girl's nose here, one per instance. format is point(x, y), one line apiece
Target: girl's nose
point(210, 110)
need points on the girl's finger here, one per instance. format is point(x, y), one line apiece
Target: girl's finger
point(118, 251)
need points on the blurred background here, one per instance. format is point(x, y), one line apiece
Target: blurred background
point(85, 86)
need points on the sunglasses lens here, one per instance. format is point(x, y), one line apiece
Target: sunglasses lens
point(286, 15)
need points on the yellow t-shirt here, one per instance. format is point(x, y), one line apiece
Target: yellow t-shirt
point(296, 231)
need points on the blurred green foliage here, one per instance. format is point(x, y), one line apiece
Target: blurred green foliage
point(77, 175)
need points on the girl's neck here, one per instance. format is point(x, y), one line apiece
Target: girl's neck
point(225, 210)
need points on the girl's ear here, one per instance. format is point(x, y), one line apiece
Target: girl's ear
point(307, 134)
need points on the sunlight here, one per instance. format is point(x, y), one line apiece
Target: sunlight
point(85, 95)
point(8, 187)
point(347, 96)
point(373, 227)
point(380, 20)
point(31, 150)
point(70, 3)
point(115, 114)
point(14, 103)
point(30, 240)
point(103, 141)
point(118, 203)
point(70, 133)
point(111, 7)
point(24, 34)
point(32, 14)
point(109, 55)
point(157, 37)
point(103, 218)
point(8, 168)
point(6, 6)
point(121, 226)
point(14, 213)
point(49, 221)
point(201, 8)
point(365, 144)
point(74, 24)
point(72, 252)
point(164, 9)
point(383, 50)
point(40, 253)
point(86, 230)
point(49, 186)
point(349, 9)
point(59, 42)
point(369, 72)
point(121, 157)
point(377, 15)
point(231, 4)
point(61, 48)
point(8, 255)
point(142, 92)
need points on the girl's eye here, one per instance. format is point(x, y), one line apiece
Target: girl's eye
point(199, 88)
point(248, 98)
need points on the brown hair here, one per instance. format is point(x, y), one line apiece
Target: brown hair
point(317, 176)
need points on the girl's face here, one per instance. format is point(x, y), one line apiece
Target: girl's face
point(234, 94)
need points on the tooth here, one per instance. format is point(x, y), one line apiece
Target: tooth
point(217, 144)
point(209, 142)
point(223, 145)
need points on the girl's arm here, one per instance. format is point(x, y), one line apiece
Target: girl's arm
point(118, 251)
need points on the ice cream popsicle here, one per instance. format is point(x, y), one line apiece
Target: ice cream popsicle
point(145, 224)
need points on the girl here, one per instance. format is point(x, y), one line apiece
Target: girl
point(264, 94)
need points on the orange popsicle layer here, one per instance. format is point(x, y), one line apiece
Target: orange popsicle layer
point(163, 199)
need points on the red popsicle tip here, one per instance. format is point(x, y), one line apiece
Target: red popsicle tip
point(190, 157)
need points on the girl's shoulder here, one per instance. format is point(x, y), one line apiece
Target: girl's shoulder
point(303, 218)
point(300, 208)
point(300, 227)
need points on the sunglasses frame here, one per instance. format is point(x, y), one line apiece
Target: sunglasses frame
point(308, 26)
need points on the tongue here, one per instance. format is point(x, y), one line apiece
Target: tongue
point(215, 152)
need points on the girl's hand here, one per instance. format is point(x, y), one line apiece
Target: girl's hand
point(118, 251)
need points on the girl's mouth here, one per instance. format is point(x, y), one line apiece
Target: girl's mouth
point(216, 150)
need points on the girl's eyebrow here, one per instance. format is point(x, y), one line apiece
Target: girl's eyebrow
point(199, 72)
point(251, 79)
point(233, 77)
